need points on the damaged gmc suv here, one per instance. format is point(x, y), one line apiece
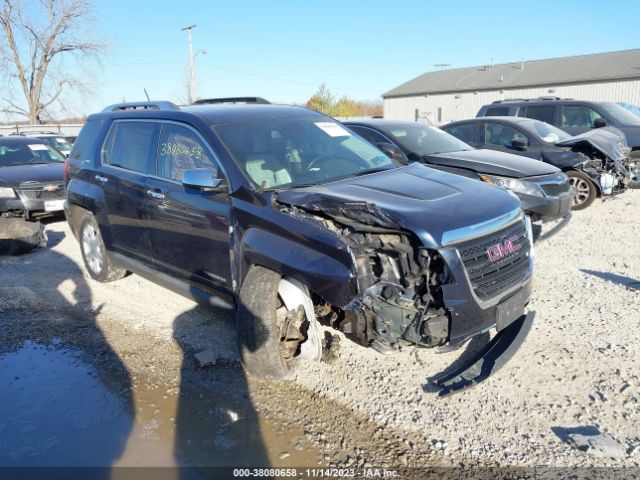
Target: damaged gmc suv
point(281, 213)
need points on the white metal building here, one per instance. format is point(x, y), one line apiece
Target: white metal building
point(447, 95)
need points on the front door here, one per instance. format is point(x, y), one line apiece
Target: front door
point(188, 229)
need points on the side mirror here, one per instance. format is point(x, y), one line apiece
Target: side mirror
point(202, 179)
point(599, 122)
point(520, 144)
point(393, 152)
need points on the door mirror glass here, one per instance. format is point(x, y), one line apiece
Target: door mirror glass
point(202, 179)
point(520, 143)
point(393, 152)
point(599, 122)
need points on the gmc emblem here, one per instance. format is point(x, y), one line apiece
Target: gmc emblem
point(501, 250)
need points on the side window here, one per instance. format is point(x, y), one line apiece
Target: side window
point(544, 113)
point(180, 149)
point(497, 112)
point(370, 135)
point(130, 145)
point(465, 132)
point(578, 116)
point(500, 134)
point(521, 112)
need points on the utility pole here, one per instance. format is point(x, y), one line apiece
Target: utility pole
point(192, 67)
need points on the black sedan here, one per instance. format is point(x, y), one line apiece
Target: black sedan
point(31, 178)
point(597, 162)
point(544, 190)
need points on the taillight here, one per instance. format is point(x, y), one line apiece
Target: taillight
point(66, 169)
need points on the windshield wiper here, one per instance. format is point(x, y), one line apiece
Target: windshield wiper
point(371, 170)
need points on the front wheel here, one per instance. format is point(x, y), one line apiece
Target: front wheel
point(94, 253)
point(277, 326)
point(583, 190)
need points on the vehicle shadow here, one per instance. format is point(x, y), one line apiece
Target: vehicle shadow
point(612, 277)
point(217, 425)
point(67, 396)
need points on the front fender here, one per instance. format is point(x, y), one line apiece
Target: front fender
point(328, 277)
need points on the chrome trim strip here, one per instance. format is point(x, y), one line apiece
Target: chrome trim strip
point(480, 229)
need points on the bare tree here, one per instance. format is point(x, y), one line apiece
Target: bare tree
point(38, 36)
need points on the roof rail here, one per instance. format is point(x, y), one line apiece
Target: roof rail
point(542, 98)
point(161, 105)
point(41, 132)
point(209, 101)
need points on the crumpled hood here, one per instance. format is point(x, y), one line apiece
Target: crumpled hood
point(608, 140)
point(423, 200)
point(493, 162)
point(44, 173)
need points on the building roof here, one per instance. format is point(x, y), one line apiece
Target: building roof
point(596, 67)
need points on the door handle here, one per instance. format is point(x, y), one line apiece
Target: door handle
point(101, 179)
point(155, 194)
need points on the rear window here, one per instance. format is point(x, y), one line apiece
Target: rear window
point(84, 143)
point(497, 112)
point(544, 113)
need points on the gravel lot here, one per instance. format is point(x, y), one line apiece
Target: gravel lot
point(577, 368)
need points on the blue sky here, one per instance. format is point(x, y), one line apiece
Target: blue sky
point(283, 50)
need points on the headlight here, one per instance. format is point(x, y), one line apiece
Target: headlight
point(7, 193)
point(515, 185)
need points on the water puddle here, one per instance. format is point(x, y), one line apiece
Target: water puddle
point(58, 410)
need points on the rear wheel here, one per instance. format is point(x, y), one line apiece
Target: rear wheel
point(583, 190)
point(277, 326)
point(94, 253)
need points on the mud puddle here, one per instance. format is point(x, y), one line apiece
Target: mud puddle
point(56, 409)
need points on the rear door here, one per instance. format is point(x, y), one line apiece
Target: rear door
point(188, 228)
point(128, 158)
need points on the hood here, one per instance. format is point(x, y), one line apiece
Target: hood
point(492, 162)
point(423, 200)
point(608, 140)
point(44, 173)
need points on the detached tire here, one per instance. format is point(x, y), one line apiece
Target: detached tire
point(19, 236)
point(584, 191)
point(94, 254)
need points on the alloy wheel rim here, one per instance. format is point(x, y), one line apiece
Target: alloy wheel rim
point(580, 190)
point(91, 248)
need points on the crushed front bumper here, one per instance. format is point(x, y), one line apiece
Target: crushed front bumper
point(489, 360)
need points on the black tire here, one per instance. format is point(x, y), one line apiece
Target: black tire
point(104, 271)
point(584, 190)
point(257, 327)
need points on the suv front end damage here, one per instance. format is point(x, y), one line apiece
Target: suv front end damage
point(409, 293)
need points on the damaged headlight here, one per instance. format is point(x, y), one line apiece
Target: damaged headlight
point(7, 193)
point(514, 184)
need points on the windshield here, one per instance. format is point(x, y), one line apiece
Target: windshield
point(421, 139)
point(59, 143)
point(289, 152)
point(631, 107)
point(620, 114)
point(24, 154)
point(549, 133)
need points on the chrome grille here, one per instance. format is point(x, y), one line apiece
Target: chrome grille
point(490, 278)
point(41, 191)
